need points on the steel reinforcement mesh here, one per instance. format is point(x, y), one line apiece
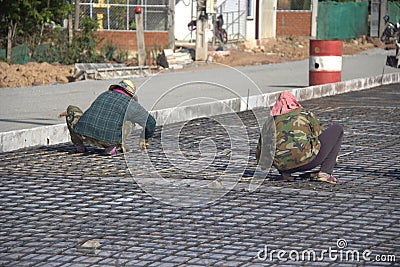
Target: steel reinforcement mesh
point(62, 208)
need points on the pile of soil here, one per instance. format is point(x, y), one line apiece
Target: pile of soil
point(285, 50)
point(33, 74)
point(269, 52)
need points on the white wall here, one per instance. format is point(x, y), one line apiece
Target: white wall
point(185, 11)
point(267, 18)
point(231, 10)
point(183, 15)
point(251, 22)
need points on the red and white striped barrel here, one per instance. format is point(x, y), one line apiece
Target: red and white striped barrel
point(325, 63)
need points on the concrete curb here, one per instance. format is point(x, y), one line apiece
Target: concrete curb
point(57, 134)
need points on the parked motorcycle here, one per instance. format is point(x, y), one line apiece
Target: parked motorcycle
point(220, 33)
point(392, 33)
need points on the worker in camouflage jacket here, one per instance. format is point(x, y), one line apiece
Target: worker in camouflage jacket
point(110, 115)
point(299, 141)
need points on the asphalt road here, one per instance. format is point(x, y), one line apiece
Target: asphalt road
point(23, 108)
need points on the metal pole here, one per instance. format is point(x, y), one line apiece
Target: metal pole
point(140, 38)
point(238, 20)
point(91, 9)
point(314, 18)
point(191, 17)
point(70, 26)
point(127, 15)
point(77, 12)
point(214, 28)
point(383, 11)
point(201, 38)
point(171, 26)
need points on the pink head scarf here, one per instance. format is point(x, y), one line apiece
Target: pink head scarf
point(125, 93)
point(285, 104)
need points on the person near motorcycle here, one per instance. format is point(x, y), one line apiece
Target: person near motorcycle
point(390, 33)
point(391, 30)
point(219, 23)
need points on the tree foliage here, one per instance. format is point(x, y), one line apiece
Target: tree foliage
point(30, 15)
point(25, 20)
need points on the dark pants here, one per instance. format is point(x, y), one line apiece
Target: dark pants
point(331, 140)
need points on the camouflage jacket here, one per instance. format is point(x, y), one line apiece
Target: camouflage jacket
point(296, 140)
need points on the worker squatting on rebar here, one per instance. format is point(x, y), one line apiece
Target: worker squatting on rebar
point(301, 143)
point(107, 119)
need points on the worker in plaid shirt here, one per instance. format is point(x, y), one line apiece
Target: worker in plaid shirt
point(103, 123)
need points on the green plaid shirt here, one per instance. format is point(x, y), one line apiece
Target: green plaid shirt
point(104, 119)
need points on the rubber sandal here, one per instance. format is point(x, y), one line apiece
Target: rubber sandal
point(80, 149)
point(111, 150)
point(309, 175)
point(327, 178)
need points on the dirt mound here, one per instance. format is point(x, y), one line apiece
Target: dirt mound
point(284, 50)
point(33, 74)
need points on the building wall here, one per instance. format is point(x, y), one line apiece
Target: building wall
point(250, 20)
point(293, 23)
point(126, 40)
point(185, 11)
point(235, 17)
point(267, 19)
point(288, 23)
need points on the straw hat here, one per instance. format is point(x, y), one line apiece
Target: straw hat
point(126, 85)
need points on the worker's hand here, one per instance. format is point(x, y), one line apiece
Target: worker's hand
point(62, 114)
point(144, 144)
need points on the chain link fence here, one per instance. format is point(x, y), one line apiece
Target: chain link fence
point(120, 14)
point(294, 4)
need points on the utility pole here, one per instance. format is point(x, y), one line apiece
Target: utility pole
point(383, 12)
point(314, 18)
point(77, 12)
point(140, 36)
point(70, 30)
point(171, 24)
point(201, 38)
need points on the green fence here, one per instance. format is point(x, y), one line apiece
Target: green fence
point(20, 54)
point(394, 11)
point(344, 20)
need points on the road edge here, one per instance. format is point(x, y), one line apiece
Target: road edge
point(57, 134)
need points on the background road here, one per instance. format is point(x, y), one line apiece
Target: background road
point(23, 108)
